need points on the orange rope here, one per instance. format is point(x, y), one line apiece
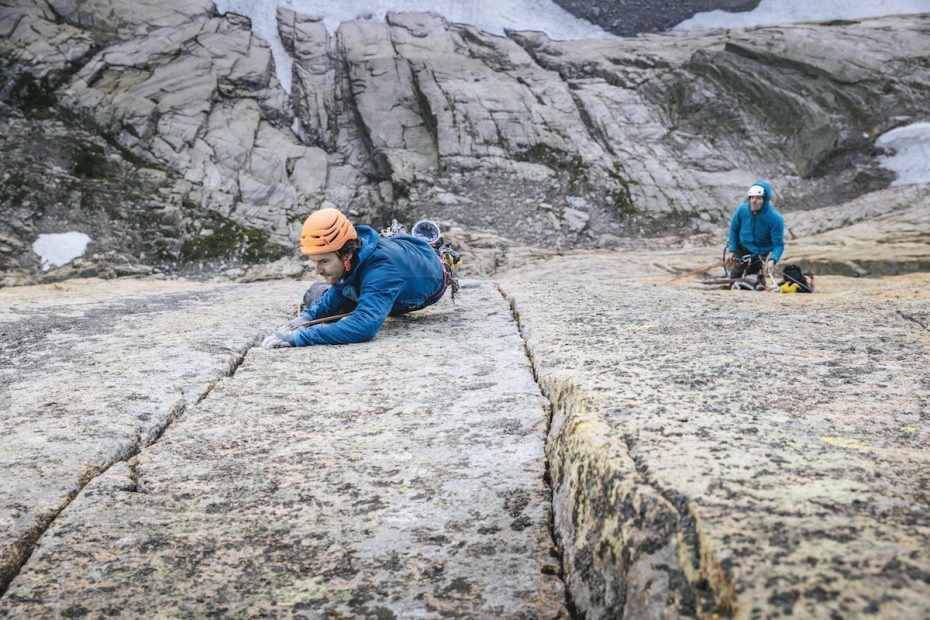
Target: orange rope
point(325, 319)
point(691, 273)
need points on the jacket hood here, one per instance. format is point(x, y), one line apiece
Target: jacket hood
point(368, 238)
point(768, 195)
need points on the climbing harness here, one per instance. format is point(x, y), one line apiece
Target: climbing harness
point(793, 279)
point(763, 281)
point(396, 228)
point(449, 281)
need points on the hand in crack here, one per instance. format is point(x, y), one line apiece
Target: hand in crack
point(279, 339)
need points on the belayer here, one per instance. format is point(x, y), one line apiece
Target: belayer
point(369, 276)
point(757, 234)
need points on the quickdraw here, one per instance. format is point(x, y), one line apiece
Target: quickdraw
point(396, 228)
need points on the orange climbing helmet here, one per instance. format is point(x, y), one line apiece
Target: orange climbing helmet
point(324, 231)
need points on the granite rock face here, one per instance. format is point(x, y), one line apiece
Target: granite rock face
point(199, 100)
point(93, 373)
point(399, 478)
point(742, 454)
point(545, 143)
point(695, 452)
point(117, 148)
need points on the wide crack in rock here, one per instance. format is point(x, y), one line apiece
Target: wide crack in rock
point(713, 452)
point(600, 494)
point(558, 550)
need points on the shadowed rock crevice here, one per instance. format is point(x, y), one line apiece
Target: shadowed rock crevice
point(595, 130)
point(379, 168)
point(426, 113)
point(628, 548)
point(22, 548)
point(557, 541)
point(863, 267)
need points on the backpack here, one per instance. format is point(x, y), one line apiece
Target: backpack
point(796, 281)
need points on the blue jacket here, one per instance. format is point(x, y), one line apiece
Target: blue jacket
point(761, 232)
point(389, 276)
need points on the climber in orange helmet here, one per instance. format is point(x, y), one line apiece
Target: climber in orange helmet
point(368, 275)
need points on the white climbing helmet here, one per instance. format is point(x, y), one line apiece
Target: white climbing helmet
point(756, 190)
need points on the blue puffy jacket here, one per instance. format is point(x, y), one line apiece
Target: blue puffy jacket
point(761, 232)
point(389, 276)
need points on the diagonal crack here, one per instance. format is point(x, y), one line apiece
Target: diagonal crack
point(380, 167)
point(29, 540)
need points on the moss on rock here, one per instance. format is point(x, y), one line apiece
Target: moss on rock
point(556, 159)
point(229, 240)
point(90, 161)
point(33, 96)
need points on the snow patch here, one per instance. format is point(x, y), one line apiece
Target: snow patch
point(492, 16)
point(911, 158)
point(772, 12)
point(59, 249)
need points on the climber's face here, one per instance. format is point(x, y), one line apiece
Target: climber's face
point(329, 266)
